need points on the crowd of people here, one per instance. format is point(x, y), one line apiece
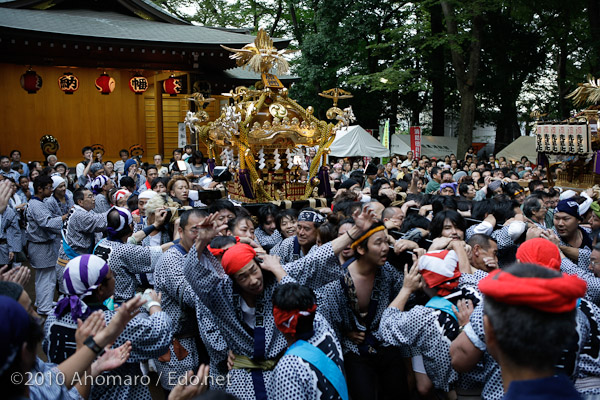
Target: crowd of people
point(430, 278)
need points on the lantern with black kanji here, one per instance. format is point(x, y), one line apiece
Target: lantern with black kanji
point(68, 83)
point(138, 84)
point(31, 82)
point(172, 86)
point(105, 84)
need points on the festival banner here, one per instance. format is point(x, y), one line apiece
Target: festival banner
point(415, 141)
point(385, 137)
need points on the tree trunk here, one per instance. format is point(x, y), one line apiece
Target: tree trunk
point(593, 13)
point(295, 26)
point(437, 74)
point(507, 125)
point(466, 120)
point(466, 76)
point(564, 105)
point(277, 18)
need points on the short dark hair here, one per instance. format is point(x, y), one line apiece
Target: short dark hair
point(221, 204)
point(446, 172)
point(526, 336)
point(287, 213)
point(435, 171)
point(219, 242)
point(86, 148)
point(124, 151)
point(441, 203)
point(389, 211)
point(552, 192)
point(532, 203)
point(359, 177)
point(327, 232)
point(113, 220)
point(532, 185)
point(41, 182)
point(511, 188)
point(463, 188)
point(481, 208)
point(151, 166)
point(364, 243)
point(132, 202)
point(502, 209)
point(347, 207)
point(265, 211)
point(481, 239)
point(78, 195)
point(292, 296)
point(376, 186)
point(235, 221)
point(157, 181)
point(14, 151)
point(127, 181)
point(185, 216)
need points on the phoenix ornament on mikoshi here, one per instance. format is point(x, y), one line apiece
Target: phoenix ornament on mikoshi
point(587, 92)
point(261, 56)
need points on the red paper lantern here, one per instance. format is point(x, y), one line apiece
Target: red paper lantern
point(68, 83)
point(105, 84)
point(31, 82)
point(172, 86)
point(138, 84)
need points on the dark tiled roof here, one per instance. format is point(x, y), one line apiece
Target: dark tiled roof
point(112, 25)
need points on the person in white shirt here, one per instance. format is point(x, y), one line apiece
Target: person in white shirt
point(120, 165)
point(408, 161)
point(87, 158)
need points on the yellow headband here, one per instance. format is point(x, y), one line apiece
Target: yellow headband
point(366, 236)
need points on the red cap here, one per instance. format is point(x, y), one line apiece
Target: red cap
point(553, 295)
point(237, 257)
point(540, 251)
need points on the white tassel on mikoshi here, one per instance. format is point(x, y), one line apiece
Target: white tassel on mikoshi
point(261, 158)
point(277, 160)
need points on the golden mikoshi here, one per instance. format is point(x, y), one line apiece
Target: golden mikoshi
point(265, 122)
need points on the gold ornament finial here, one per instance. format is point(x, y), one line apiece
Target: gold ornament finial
point(261, 56)
point(586, 92)
point(336, 94)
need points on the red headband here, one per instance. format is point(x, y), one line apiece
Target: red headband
point(237, 257)
point(287, 320)
point(553, 295)
point(220, 252)
point(215, 252)
point(541, 252)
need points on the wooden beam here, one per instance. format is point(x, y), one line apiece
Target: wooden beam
point(166, 75)
point(158, 115)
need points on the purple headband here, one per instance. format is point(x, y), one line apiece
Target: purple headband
point(125, 220)
point(82, 275)
point(98, 183)
point(452, 185)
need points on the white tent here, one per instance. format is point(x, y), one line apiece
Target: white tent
point(523, 146)
point(431, 146)
point(354, 141)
